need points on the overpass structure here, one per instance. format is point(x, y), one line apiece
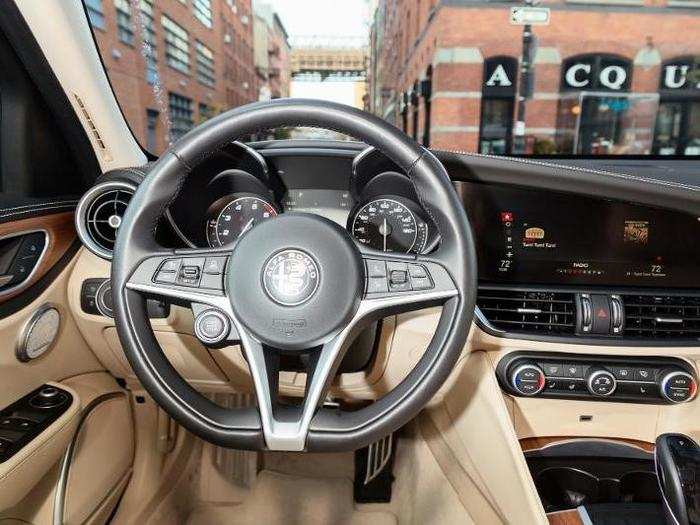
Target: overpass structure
point(317, 58)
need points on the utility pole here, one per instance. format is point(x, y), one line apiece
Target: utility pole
point(525, 85)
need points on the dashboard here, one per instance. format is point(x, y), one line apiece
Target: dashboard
point(560, 261)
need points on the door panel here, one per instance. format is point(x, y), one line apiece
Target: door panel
point(59, 234)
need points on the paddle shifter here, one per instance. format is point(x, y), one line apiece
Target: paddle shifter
point(678, 468)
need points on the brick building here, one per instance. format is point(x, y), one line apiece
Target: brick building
point(175, 63)
point(272, 53)
point(609, 76)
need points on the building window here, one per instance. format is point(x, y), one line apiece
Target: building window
point(205, 64)
point(125, 31)
point(150, 54)
point(205, 112)
point(202, 11)
point(152, 130)
point(95, 13)
point(177, 47)
point(677, 130)
point(497, 105)
point(148, 23)
point(180, 109)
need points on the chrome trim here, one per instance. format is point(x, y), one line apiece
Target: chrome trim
point(205, 338)
point(675, 320)
point(659, 476)
point(102, 308)
point(359, 158)
point(515, 373)
point(378, 455)
point(21, 350)
point(583, 514)
point(59, 500)
point(83, 207)
point(597, 373)
point(529, 311)
point(35, 268)
point(668, 377)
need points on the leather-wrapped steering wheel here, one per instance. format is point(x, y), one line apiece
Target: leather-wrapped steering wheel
point(295, 283)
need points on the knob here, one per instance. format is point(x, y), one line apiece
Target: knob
point(211, 327)
point(527, 379)
point(678, 386)
point(103, 299)
point(601, 383)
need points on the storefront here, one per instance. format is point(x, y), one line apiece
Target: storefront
point(678, 122)
point(597, 114)
point(497, 105)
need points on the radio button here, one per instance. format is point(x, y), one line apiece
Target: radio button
point(553, 369)
point(644, 374)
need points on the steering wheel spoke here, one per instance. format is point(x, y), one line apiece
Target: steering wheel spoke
point(285, 424)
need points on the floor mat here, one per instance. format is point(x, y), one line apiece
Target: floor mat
point(293, 500)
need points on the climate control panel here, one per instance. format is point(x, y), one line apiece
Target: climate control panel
point(610, 378)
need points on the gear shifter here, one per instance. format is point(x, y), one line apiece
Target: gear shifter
point(678, 468)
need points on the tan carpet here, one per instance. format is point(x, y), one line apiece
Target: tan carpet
point(293, 500)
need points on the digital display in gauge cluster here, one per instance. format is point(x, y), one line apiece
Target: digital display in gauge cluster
point(554, 238)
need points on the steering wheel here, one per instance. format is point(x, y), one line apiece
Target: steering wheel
point(297, 283)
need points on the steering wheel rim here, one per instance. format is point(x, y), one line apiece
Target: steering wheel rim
point(310, 427)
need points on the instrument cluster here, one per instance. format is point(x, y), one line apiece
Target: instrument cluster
point(219, 204)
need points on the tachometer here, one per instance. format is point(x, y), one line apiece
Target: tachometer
point(237, 217)
point(390, 226)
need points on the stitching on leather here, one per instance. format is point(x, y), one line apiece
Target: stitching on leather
point(44, 208)
point(175, 194)
point(74, 201)
point(532, 162)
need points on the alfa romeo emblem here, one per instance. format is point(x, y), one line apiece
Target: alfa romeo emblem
point(290, 277)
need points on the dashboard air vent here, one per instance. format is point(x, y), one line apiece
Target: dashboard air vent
point(662, 317)
point(529, 311)
point(100, 213)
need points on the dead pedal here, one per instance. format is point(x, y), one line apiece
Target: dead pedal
point(374, 471)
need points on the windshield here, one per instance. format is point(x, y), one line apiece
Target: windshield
point(564, 77)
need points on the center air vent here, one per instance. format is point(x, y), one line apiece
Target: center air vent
point(99, 216)
point(529, 311)
point(662, 317)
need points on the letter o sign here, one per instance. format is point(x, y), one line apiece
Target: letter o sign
point(613, 77)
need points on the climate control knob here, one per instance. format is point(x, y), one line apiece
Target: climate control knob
point(601, 383)
point(678, 386)
point(527, 379)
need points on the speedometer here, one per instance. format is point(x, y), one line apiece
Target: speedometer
point(236, 218)
point(390, 226)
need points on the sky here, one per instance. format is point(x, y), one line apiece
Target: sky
point(323, 17)
point(349, 18)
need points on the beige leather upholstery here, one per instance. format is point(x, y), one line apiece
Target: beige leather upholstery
point(104, 451)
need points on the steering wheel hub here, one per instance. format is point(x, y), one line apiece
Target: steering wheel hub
point(302, 277)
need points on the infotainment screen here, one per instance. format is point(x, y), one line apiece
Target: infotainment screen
point(532, 237)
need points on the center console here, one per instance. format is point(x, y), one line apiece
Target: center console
point(605, 378)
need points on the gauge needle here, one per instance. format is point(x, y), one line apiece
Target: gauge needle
point(384, 232)
point(248, 225)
